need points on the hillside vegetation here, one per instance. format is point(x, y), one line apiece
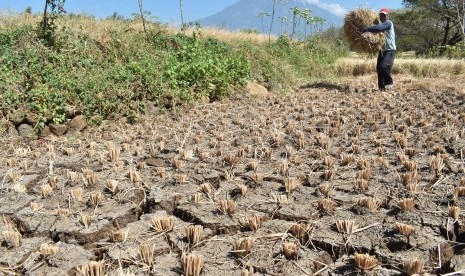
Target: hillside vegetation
point(111, 68)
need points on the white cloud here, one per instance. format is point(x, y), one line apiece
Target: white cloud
point(332, 8)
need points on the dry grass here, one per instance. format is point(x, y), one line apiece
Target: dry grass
point(406, 204)
point(291, 250)
point(300, 231)
point(119, 235)
point(418, 67)
point(146, 253)
point(11, 238)
point(162, 224)
point(454, 212)
point(414, 266)
point(192, 265)
point(367, 42)
point(206, 188)
point(325, 189)
point(85, 220)
point(361, 185)
point(93, 268)
point(243, 246)
point(101, 29)
point(346, 226)
point(404, 229)
point(365, 262)
point(369, 202)
point(327, 206)
point(291, 183)
point(77, 194)
point(242, 189)
point(47, 250)
point(255, 222)
point(227, 207)
point(194, 233)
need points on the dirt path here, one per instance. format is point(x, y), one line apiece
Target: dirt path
point(283, 185)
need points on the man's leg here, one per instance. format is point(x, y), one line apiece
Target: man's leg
point(379, 70)
point(386, 66)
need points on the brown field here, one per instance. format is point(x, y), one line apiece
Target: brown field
point(326, 180)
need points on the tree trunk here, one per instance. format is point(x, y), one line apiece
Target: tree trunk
point(182, 16)
point(271, 24)
point(446, 32)
point(44, 26)
point(142, 17)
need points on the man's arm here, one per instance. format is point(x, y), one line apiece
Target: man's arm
point(386, 25)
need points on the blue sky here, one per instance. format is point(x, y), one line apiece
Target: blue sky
point(167, 11)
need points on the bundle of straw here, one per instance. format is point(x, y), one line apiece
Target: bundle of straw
point(368, 42)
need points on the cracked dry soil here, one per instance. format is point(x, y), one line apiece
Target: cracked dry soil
point(333, 171)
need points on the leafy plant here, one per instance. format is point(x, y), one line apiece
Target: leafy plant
point(116, 73)
point(204, 68)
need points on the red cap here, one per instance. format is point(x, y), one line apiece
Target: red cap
point(384, 10)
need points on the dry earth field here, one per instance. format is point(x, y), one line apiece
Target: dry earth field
point(327, 180)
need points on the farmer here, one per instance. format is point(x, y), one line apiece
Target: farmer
point(387, 53)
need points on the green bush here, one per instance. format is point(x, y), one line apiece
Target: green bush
point(117, 75)
point(204, 68)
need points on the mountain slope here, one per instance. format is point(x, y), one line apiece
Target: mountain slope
point(244, 15)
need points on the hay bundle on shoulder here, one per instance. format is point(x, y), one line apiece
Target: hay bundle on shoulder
point(354, 22)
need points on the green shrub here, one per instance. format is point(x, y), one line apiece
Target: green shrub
point(204, 68)
point(116, 75)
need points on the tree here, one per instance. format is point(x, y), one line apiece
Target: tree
point(47, 25)
point(296, 12)
point(261, 15)
point(443, 18)
point(183, 25)
point(417, 31)
point(142, 16)
point(272, 17)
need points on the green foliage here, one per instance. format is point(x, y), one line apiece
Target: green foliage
point(249, 31)
point(204, 68)
point(448, 51)
point(287, 63)
point(117, 76)
point(116, 16)
point(47, 101)
point(425, 24)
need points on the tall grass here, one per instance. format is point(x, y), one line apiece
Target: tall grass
point(418, 67)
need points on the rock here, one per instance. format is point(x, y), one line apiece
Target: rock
point(458, 262)
point(256, 89)
point(32, 118)
point(26, 131)
point(277, 88)
point(78, 123)
point(72, 111)
point(45, 132)
point(8, 131)
point(152, 109)
point(155, 162)
point(59, 129)
point(48, 116)
point(17, 117)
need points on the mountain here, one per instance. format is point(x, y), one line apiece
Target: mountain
point(244, 14)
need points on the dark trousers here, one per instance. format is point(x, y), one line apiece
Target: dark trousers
point(383, 67)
